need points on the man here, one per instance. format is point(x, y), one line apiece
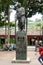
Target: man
point(41, 54)
point(36, 45)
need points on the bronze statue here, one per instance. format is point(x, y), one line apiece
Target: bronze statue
point(20, 16)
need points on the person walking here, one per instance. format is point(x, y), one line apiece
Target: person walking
point(36, 45)
point(40, 59)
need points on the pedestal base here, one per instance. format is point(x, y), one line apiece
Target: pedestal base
point(21, 61)
point(21, 45)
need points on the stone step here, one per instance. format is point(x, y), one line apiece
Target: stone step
point(21, 61)
point(30, 48)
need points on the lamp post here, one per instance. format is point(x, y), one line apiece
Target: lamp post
point(9, 11)
point(42, 26)
point(10, 8)
point(42, 34)
point(8, 24)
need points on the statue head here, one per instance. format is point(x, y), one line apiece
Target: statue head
point(17, 5)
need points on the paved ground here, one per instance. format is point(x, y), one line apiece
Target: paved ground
point(7, 56)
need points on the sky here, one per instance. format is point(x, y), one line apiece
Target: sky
point(12, 16)
point(36, 16)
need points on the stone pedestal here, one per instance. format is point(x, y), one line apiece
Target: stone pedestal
point(21, 46)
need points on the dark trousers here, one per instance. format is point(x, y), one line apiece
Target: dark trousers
point(40, 58)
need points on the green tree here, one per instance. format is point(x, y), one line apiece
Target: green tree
point(31, 7)
point(39, 26)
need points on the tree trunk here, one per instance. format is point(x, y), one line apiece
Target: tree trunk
point(8, 26)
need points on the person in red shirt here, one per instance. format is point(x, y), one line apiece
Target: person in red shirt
point(40, 59)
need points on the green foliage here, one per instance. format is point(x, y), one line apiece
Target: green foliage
point(2, 23)
point(39, 24)
point(33, 5)
point(12, 24)
point(25, 4)
point(12, 40)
